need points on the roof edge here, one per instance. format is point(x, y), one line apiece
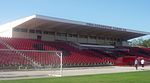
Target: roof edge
point(22, 20)
point(89, 24)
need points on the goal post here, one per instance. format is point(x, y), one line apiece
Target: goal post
point(61, 64)
point(32, 60)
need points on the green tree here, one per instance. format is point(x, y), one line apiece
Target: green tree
point(146, 43)
point(141, 42)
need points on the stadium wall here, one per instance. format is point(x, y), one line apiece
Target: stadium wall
point(52, 36)
point(47, 35)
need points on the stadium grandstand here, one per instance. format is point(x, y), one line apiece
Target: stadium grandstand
point(35, 41)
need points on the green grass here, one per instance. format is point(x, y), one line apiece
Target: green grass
point(132, 77)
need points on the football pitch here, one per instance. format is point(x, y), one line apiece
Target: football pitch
point(130, 77)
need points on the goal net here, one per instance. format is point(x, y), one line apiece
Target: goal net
point(31, 60)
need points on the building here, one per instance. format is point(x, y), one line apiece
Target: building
point(52, 29)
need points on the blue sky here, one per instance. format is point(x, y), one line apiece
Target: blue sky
point(131, 14)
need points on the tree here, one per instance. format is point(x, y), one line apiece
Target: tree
point(141, 42)
point(146, 43)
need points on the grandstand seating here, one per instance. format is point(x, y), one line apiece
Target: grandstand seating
point(72, 56)
point(132, 53)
